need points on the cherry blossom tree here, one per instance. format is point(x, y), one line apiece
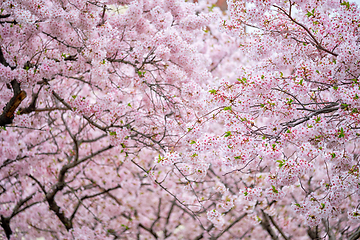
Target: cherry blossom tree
point(280, 137)
point(281, 134)
point(91, 92)
point(166, 119)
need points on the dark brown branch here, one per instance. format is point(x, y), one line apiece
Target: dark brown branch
point(5, 16)
point(32, 105)
point(355, 235)
point(7, 21)
point(313, 233)
point(230, 226)
point(149, 230)
point(328, 230)
point(59, 213)
point(13, 22)
point(5, 224)
point(104, 191)
point(62, 41)
point(316, 42)
point(5, 221)
point(266, 226)
point(158, 215)
point(166, 234)
point(8, 113)
point(86, 117)
point(2, 59)
point(277, 227)
point(50, 195)
point(315, 113)
point(17, 209)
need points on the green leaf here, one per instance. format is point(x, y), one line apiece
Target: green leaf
point(298, 205)
point(141, 73)
point(273, 147)
point(281, 163)
point(347, 4)
point(192, 142)
point(112, 133)
point(274, 189)
point(159, 159)
point(129, 105)
point(281, 74)
point(73, 96)
point(126, 227)
point(344, 106)
point(211, 7)
point(341, 134)
point(227, 134)
point(311, 14)
point(242, 80)
point(290, 100)
point(227, 108)
point(212, 91)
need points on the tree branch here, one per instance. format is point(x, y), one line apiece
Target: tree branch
point(8, 114)
point(230, 226)
point(266, 226)
point(355, 235)
point(5, 224)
